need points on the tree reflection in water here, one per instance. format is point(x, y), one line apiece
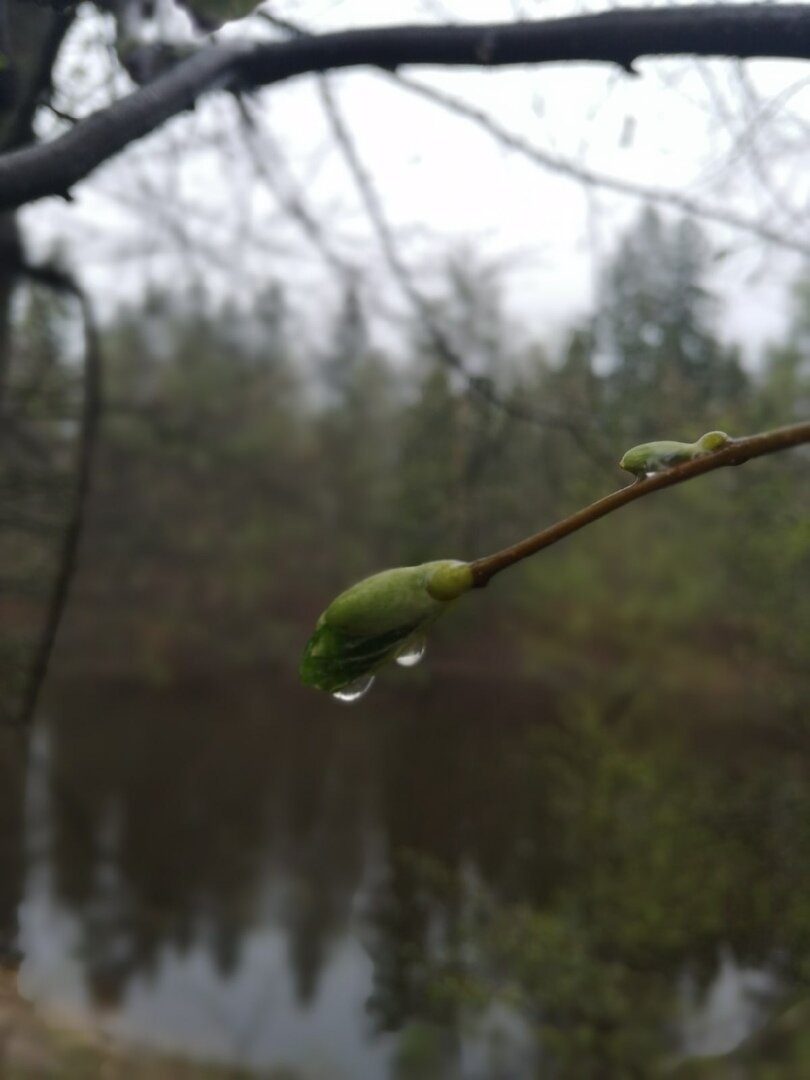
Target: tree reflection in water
point(562, 891)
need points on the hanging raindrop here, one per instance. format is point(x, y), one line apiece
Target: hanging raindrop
point(353, 691)
point(412, 653)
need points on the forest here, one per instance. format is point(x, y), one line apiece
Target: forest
point(638, 692)
point(253, 462)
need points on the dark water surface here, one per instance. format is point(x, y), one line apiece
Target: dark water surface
point(459, 877)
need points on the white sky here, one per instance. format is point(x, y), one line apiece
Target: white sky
point(445, 184)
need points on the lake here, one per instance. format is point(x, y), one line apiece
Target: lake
point(460, 876)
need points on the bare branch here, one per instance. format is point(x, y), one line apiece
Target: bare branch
point(593, 179)
point(268, 162)
point(479, 386)
point(617, 37)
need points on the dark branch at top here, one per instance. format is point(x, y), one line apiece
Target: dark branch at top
point(618, 37)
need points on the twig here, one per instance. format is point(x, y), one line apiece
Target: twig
point(280, 23)
point(594, 179)
point(736, 453)
point(480, 386)
point(574, 170)
point(68, 118)
point(292, 200)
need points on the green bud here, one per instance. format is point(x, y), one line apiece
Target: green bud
point(447, 579)
point(713, 440)
point(372, 621)
point(656, 456)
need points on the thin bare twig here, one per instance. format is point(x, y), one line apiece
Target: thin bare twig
point(292, 199)
point(736, 453)
point(594, 179)
point(589, 178)
point(479, 386)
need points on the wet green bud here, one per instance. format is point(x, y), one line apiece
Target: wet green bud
point(654, 457)
point(377, 619)
point(713, 440)
point(447, 579)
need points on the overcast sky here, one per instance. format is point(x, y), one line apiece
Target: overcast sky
point(734, 142)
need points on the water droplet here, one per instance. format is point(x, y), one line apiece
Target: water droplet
point(353, 691)
point(412, 653)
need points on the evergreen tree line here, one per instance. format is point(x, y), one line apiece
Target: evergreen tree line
point(252, 465)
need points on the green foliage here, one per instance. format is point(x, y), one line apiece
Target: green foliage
point(641, 842)
point(421, 1053)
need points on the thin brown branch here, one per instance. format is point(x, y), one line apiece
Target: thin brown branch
point(618, 37)
point(594, 179)
point(736, 453)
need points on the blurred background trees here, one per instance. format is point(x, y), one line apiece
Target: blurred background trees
point(221, 471)
point(593, 794)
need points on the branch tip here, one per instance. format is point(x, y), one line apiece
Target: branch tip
point(736, 452)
